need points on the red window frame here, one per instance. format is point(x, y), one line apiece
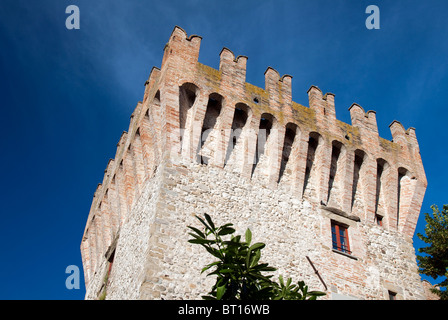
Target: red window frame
point(339, 235)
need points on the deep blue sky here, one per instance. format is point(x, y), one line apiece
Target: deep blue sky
point(66, 96)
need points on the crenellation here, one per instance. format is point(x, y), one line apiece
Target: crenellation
point(411, 135)
point(398, 133)
point(181, 47)
point(371, 123)
point(272, 87)
point(279, 91)
point(316, 101)
point(233, 69)
point(330, 110)
point(357, 115)
point(286, 90)
point(205, 140)
point(150, 84)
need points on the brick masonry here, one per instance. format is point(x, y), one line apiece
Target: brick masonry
point(284, 170)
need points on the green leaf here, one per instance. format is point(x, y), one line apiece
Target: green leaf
point(210, 265)
point(255, 258)
point(220, 292)
point(231, 243)
point(207, 227)
point(210, 222)
point(225, 231)
point(317, 293)
point(200, 238)
point(280, 278)
point(264, 267)
point(195, 235)
point(214, 252)
point(236, 239)
point(225, 271)
point(258, 245)
point(200, 241)
point(248, 260)
point(199, 232)
point(248, 236)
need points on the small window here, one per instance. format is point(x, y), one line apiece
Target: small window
point(339, 234)
point(392, 295)
point(379, 220)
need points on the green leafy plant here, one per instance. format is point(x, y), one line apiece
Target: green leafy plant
point(238, 271)
point(434, 261)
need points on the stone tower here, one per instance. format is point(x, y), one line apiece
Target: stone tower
point(336, 204)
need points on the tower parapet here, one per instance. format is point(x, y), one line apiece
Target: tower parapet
point(194, 114)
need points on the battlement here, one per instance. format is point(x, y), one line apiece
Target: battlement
point(192, 113)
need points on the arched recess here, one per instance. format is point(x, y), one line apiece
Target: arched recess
point(382, 171)
point(291, 131)
point(150, 132)
point(267, 121)
point(358, 203)
point(336, 177)
point(214, 107)
point(188, 93)
point(311, 184)
point(240, 117)
point(155, 103)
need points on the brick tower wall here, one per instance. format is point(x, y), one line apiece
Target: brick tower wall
point(205, 140)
